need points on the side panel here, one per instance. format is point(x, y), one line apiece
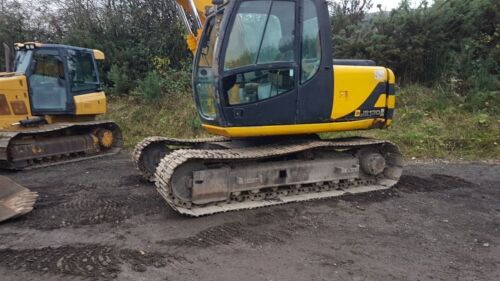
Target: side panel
point(90, 104)
point(14, 101)
point(358, 89)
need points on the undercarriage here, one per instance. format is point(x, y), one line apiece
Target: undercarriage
point(203, 177)
point(59, 143)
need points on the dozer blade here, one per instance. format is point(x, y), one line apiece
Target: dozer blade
point(15, 200)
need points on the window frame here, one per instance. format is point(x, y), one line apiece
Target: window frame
point(256, 66)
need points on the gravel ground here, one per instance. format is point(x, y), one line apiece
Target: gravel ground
point(98, 220)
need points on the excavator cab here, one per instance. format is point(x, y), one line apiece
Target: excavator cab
point(265, 68)
point(56, 74)
point(262, 63)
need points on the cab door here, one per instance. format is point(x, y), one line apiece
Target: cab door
point(259, 70)
point(315, 91)
point(47, 82)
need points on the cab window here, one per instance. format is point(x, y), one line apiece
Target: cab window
point(311, 44)
point(262, 32)
point(254, 86)
point(48, 82)
point(82, 72)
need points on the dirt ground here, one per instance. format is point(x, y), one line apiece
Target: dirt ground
point(98, 220)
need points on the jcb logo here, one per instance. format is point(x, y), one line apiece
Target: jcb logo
point(369, 113)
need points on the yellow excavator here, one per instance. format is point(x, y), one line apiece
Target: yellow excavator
point(49, 99)
point(50, 96)
point(266, 84)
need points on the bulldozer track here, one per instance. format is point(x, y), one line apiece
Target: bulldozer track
point(138, 152)
point(7, 137)
point(87, 260)
point(178, 157)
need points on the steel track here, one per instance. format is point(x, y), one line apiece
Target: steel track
point(7, 136)
point(175, 159)
point(172, 143)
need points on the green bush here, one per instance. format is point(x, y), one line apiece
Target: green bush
point(150, 88)
point(120, 82)
point(176, 82)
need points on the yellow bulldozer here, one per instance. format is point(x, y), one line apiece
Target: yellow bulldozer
point(50, 96)
point(265, 82)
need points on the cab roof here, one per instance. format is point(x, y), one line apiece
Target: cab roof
point(99, 55)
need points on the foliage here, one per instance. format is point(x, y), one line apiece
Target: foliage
point(431, 123)
point(451, 41)
point(150, 87)
point(130, 32)
point(162, 82)
point(118, 80)
point(175, 117)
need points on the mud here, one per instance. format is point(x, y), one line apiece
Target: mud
point(98, 220)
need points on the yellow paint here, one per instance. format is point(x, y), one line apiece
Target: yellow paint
point(353, 85)
point(276, 130)
point(15, 89)
point(52, 119)
point(98, 55)
point(90, 104)
point(392, 77)
point(201, 7)
point(106, 138)
point(381, 101)
point(192, 41)
point(34, 44)
point(391, 101)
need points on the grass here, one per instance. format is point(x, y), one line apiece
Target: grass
point(173, 117)
point(429, 123)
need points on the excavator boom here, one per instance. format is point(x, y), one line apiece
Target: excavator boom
point(193, 15)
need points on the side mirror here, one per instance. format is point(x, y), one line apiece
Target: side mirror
point(8, 58)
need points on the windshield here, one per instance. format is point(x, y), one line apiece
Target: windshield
point(203, 79)
point(22, 61)
point(262, 32)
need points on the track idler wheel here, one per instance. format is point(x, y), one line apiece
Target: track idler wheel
point(105, 137)
point(371, 161)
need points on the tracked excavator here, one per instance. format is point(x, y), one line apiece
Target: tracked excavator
point(266, 84)
point(50, 96)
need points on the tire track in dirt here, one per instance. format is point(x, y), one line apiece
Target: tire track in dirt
point(264, 227)
point(82, 206)
point(87, 260)
point(410, 184)
point(223, 234)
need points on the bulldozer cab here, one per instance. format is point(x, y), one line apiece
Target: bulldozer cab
point(55, 74)
point(265, 62)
